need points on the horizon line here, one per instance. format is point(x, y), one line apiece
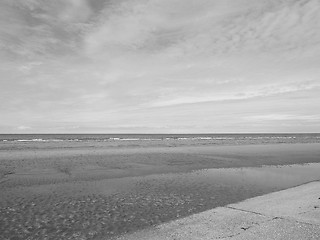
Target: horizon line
point(157, 133)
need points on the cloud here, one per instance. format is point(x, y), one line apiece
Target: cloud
point(284, 117)
point(33, 29)
point(28, 67)
point(210, 95)
point(216, 27)
point(23, 128)
point(113, 62)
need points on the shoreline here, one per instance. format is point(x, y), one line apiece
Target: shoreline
point(128, 162)
point(141, 144)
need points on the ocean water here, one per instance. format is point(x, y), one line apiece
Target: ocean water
point(215, 138)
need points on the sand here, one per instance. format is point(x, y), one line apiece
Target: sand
point(90, 192)
point(289, 214)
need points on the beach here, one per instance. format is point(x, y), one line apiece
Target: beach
point(92, 190)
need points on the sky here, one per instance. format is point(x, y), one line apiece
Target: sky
point(159, 66)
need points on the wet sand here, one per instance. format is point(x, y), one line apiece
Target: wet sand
point(289, 214)
point(97, 193)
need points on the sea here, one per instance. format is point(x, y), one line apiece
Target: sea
point(212, 138)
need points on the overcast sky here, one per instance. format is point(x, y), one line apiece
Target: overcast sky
point(159, 66)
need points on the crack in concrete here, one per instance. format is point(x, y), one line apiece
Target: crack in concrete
point(274, 217)
point(239, 209)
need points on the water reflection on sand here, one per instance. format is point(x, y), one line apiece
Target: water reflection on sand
point(216, 187)
point(109, 207)
point(279, 177)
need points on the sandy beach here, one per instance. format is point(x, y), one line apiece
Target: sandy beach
point(74, 192)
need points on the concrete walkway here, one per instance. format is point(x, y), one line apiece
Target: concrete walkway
point(289, 214)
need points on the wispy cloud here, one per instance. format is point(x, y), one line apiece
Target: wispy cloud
point(250, 93)
point(23, 128)
point(211, 27)
point(284, 117)
point(95, 63)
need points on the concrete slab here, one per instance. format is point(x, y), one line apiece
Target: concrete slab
point(288, 214)
point(280, 229)
point(300, 203)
